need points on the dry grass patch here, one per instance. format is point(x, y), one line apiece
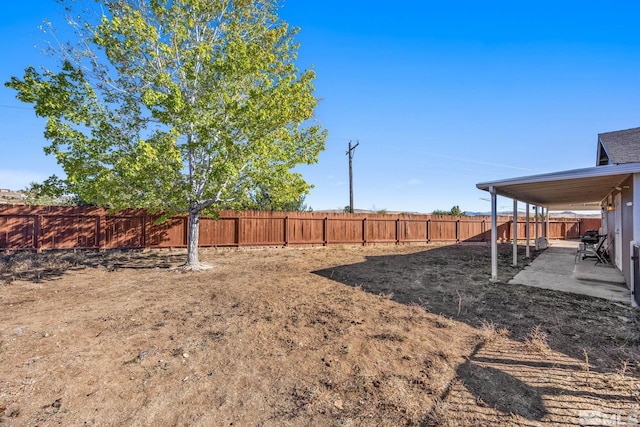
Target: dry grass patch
point(490, 332)
point(301, 337)
point(260, 340)
point(536, 340)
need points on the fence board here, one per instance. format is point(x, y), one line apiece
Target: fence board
point(124, 232)
point(345, 231)
point(443, 230)
point(561, 228)
point(413, 231)
point(589, 224)
point(68, 232)
point(380, 230)
point(306, 231)
point(60, 227)
point(262, 231)
point(472, 231)
point(171, 233)
point(221, 232)
point(17, 232)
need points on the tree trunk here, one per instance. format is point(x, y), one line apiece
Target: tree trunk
point(192, 240)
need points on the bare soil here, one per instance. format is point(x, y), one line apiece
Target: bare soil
point(337, 336)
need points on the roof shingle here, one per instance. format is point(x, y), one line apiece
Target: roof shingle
point(622, 146)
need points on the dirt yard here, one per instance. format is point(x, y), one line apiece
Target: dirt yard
point(338, 336)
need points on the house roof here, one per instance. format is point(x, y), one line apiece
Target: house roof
point(576, 189)
point(619, 147)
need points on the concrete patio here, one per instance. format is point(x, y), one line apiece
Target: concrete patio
point(556, 269)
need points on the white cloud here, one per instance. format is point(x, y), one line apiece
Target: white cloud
point(414, 181)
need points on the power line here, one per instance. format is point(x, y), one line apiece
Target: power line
point(461, 159)
point(16, 108)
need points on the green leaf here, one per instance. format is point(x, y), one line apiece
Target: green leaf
point(179, 106)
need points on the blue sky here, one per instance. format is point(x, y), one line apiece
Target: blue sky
point(440, 95)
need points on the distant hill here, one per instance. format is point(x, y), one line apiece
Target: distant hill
point(11, 197)
point(566, 214)
point(370, 211)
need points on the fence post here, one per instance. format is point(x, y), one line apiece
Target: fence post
point(37, 227)
point(458, 230)
point(397, 231)
point(97, 232)
point(144, 231)
point(104, 231)
point(428, 230)
point(286, 230)
point(238, 232)
point(325, 233)
point(364, 231)
point(108, 231)
point(185, 231)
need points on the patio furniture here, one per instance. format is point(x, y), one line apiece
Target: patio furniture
point(605, 256)
point(593, 246)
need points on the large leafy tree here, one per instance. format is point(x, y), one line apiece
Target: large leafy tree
point(178, 106)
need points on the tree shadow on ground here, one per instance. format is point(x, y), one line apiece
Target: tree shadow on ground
point(454, 281)
point(45, 266)
point(501, 391)
point(539, 387)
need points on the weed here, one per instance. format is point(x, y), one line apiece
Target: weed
point(389, 336)
point(417, 309)
point(622, 372)
point(444, 322)
point(465, 300)
point(490, 332)
point(586, 367)
point(214, 335)
point(536, 340)
point(387, 295)
point(445, 415)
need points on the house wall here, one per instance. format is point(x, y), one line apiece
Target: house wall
point(626, 232)
point(627, 227)
point(608, 222)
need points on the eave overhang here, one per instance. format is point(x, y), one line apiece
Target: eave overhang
point(576, 189)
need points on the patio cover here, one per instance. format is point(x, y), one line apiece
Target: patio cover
point(577, 189)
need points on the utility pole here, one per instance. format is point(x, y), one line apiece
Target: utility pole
point(350, 154)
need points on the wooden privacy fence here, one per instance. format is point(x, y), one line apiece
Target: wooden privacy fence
point(46, 227)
